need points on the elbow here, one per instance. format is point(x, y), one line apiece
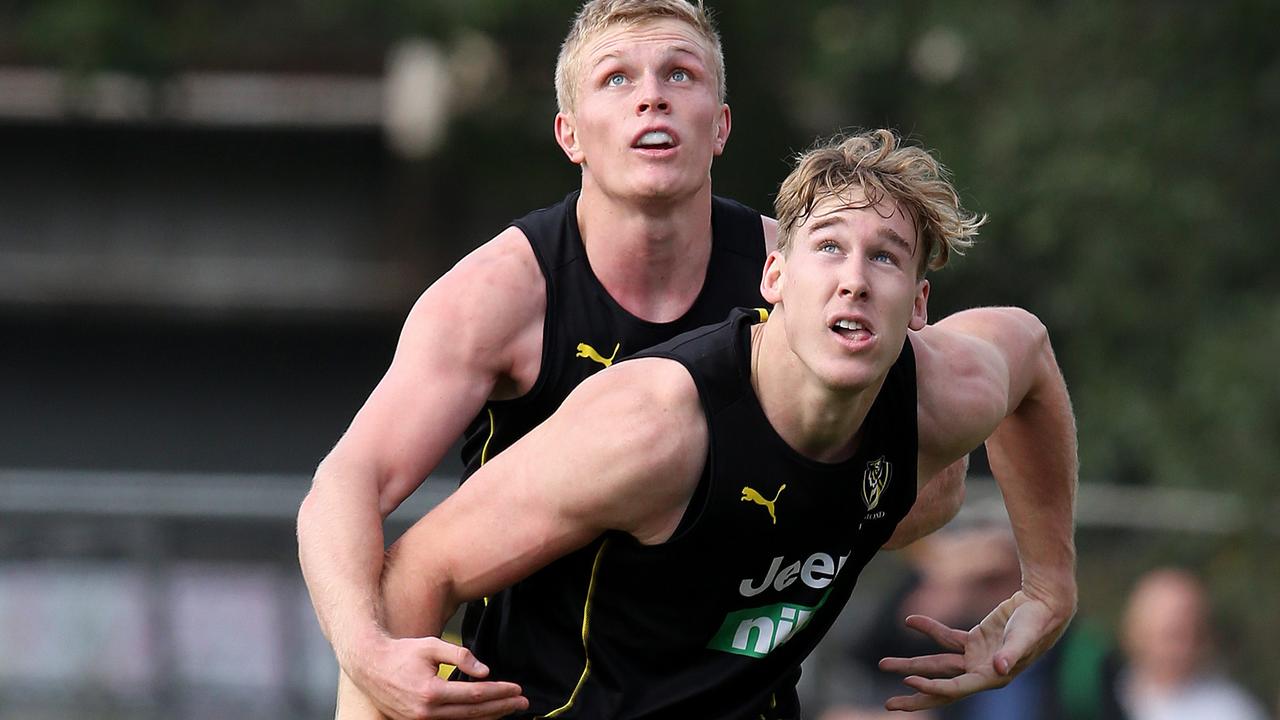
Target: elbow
point(335, 498)
point(1039, 334)
point(304, 523)
point(314, 500)
point(1036, 333)
point(310, 522)
point(1037, 337)
point(1034, 362)
point(346, 485)
point(306, 509)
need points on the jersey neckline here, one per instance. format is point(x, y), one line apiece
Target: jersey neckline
point(870, 424)
point(575, 237)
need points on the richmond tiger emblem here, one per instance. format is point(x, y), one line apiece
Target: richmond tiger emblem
point(874, 480)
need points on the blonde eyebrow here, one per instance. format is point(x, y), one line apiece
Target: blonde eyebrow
point(884, 233)
point(892, 236)
point(607, 56)
point(826, 221)
point(671, 50)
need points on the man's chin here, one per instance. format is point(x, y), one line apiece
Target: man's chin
point(663, 193)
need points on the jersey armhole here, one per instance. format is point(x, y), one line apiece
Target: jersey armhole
point(548, 327)
point(702, 491)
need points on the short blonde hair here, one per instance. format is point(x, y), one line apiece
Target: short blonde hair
point(880, 166)
point(598, 15)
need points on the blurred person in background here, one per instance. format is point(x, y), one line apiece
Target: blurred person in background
point(640, 253)
point(1169, 673)
point(959, 575)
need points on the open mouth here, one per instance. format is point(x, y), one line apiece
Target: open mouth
point(851, 330)
point(655, 140)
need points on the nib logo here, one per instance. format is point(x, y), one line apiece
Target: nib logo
point(755, 632)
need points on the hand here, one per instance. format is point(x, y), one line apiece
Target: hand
point(400, 678)
point(990, 655)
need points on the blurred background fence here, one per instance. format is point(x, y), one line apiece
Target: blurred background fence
point(213, 219)
point(139, 595)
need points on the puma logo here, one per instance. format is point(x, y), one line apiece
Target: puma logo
point(586, 351)
point(754, 496)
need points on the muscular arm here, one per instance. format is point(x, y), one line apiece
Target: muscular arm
point(536, 501)
point(1000, 382)
point(1033, 458)
point(990, 374)
point(467, 335)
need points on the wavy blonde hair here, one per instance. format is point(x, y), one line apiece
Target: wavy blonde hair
point(878, 165)
point(598, 15)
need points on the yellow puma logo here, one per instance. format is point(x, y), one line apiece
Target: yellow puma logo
point(586, 351)
point(754, 496)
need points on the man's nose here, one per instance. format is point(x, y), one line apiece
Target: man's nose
point(651, 96)
point(853, 282)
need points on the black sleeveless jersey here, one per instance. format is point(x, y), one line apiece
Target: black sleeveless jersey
point(585, 330)
point(715, 622)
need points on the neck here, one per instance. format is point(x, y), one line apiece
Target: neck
point(819, 422)
point(651, 255)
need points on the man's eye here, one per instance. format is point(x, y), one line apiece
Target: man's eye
point(679, 76)
point(615, 80)
point(828, 247)
point(885, 258)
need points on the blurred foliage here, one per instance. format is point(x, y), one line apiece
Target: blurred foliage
point(1127, 154)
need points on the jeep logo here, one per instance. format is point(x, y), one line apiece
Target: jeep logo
point(817, 572)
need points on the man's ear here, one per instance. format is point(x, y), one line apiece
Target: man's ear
point(567, 138)
point(723, 125)
point(920, 307)
point(771, 279)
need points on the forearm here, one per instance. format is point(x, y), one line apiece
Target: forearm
point(416, 594)
point(352, 702)
point(1033, 457)
point(340, 550)
point(405, 607)
point(403, 680)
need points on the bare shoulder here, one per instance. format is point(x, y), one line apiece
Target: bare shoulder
point(487, 311)
point(504, 264)
point(967, 372)
point(1004, 327)
point(465, 341)
point(654, 399)
point(642, 425)
point(975, 342)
